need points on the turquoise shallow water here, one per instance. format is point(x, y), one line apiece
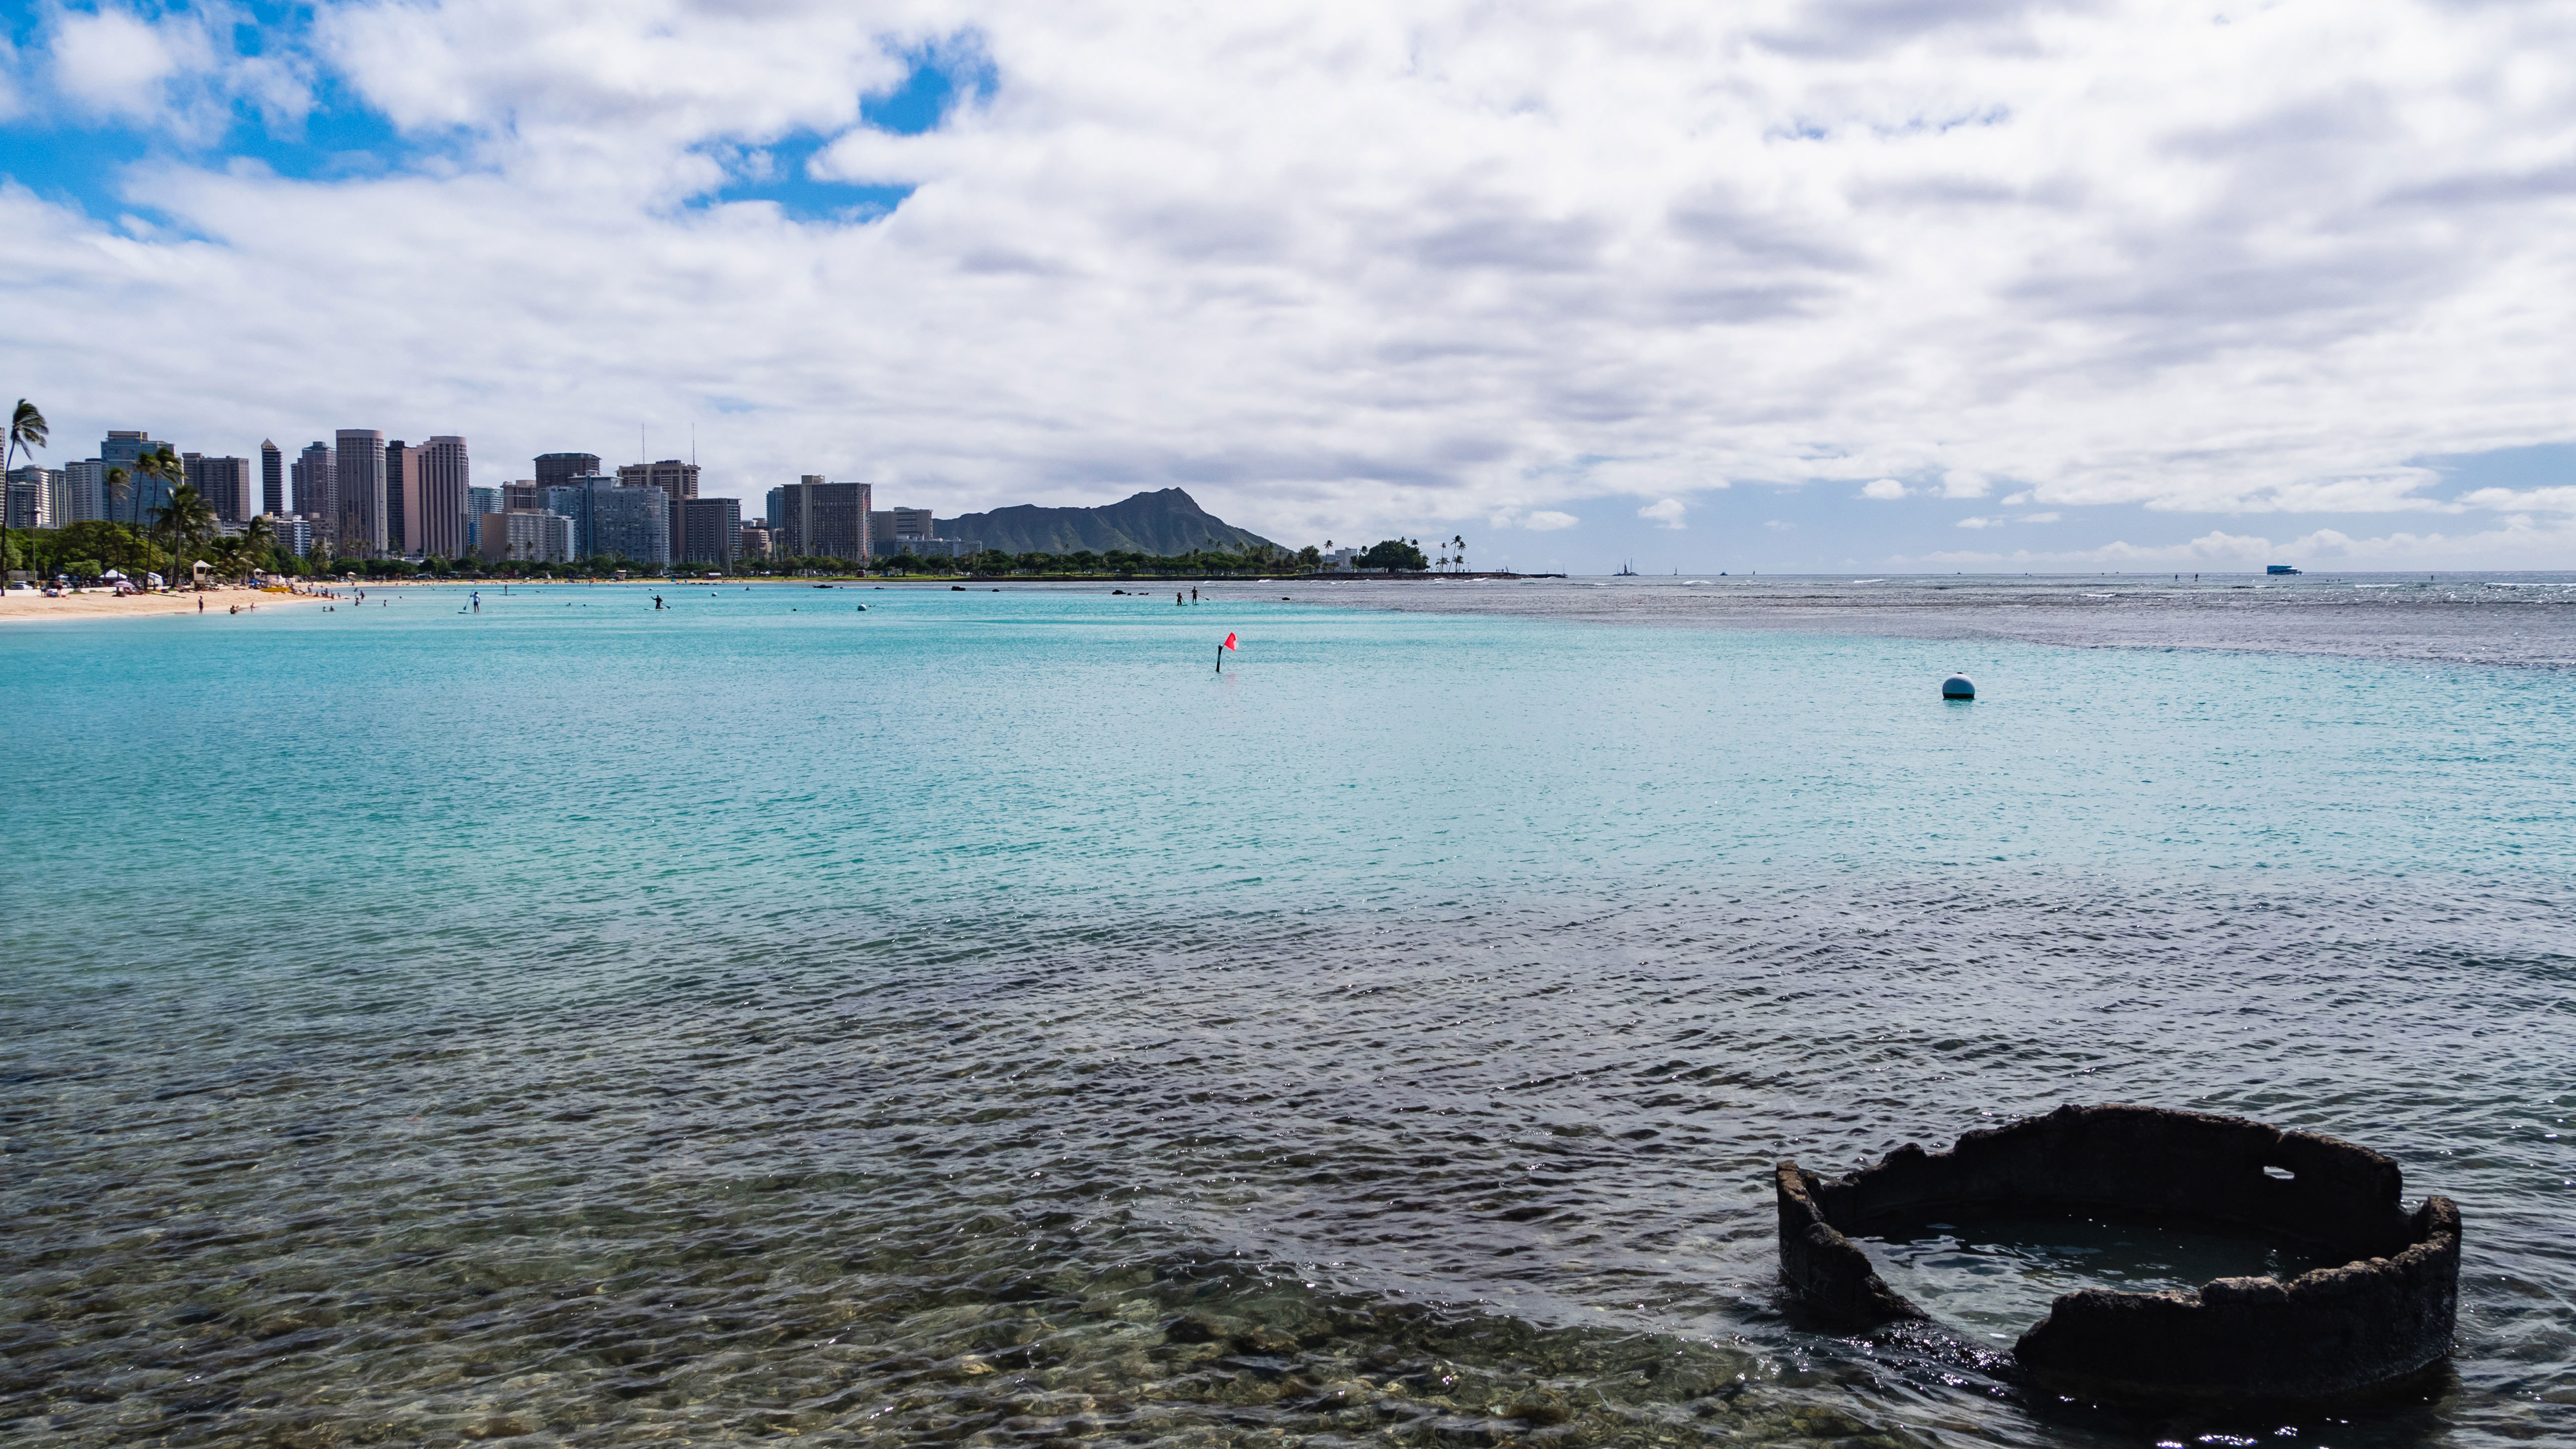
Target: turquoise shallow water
point(594, 1024)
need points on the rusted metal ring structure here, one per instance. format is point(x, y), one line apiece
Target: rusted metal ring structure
point(2385, 1311)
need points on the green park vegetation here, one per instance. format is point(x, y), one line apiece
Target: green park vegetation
point(184, 530)
point(1394, 555)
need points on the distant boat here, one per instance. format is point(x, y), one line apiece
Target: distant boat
point(1627, 570)
point(2281, 569)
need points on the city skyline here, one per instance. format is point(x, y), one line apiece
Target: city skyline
point(403, 518)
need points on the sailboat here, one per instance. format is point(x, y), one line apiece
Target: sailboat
point(1627, 570)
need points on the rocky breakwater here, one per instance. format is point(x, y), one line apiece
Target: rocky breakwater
point(2385, 1310)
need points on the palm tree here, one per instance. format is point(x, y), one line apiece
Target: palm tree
point(119, 484)
point(256, 536)
point(27, 432)
point(161, 465)
point(185, 519)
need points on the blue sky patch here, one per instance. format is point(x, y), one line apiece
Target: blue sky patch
point(941, 75)
point(2542, 465)
point(779, 173)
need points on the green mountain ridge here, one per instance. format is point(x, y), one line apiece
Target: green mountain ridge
point(1166, 522)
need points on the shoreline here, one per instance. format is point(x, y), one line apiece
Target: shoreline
point(16, 607)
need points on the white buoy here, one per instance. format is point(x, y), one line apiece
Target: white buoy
point(1958, 686)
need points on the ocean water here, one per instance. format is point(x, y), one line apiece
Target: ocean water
point(976, 1019)
point(2526, 619)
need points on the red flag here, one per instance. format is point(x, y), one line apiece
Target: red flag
point(1230, 644)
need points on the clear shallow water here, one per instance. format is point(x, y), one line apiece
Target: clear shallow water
point(973, 1019)
point(1993, 1278)
point(2526, 619)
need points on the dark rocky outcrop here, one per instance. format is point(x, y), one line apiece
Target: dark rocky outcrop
point(2386, 1311)
point(1165, 522)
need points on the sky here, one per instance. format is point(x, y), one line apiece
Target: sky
point(1783, 284)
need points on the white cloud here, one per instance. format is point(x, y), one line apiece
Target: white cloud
point(2038, 518)
point(1548, 521)
point(1647, 477)
point(111, 61)
point(1884, 488)
point(2111, 253)
point(12, 82)
point(176, 72)
point(1667, 514)
point(1980, 522)
point(2546, 500)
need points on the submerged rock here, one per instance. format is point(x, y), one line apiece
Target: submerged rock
point(2385, 1311)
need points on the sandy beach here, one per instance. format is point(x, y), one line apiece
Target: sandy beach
point(16, 606)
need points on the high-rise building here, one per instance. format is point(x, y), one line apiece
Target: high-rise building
point(31, 498)
point(630, 523)
point(478, 501)
point(569, 500)
point(711, 531)
point(293, 533)
point(777, 510)
point(86, 483)
point(755, 539)
point(520, 496)
point(358, 491)
point(224, 483)
point(825, 520)
point(313, 481)
point(889, 523)
point(673, 477)
point(435, 502)
point(556, 469)
point(395, 542)
point(59, 498)
point(142, 495)
point(678, 482)
point(526, 537)
point(272, 479)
